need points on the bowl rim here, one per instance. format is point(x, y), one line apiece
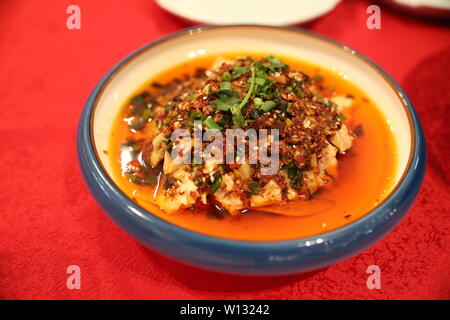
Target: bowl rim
point(87, 151)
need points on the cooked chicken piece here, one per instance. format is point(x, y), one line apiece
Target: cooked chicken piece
point(210, 167)
point(329, 158)
point(313, 181)
point(291, 193)
point(171, 165)
point(319, 176)
point(228, 182)
point(311, 133)
point(184, 195)
point(342, 102)
point(342, 139)
point(219, 61)
point(245, 171)
point(157, 151)
point(227, 198)
point(269, 194)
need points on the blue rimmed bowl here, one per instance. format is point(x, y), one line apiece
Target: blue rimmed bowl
point(246, 257)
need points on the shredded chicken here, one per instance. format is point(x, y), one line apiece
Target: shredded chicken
point(311, 133)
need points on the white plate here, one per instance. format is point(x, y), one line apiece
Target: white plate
point(267, 12)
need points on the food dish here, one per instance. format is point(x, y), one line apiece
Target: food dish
point(250, 257)
point(315, 117)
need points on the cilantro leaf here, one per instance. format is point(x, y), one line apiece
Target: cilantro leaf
point(238, 72)
point(275, 63)
point(225, 100)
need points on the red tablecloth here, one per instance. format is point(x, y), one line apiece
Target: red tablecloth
point(49, 220)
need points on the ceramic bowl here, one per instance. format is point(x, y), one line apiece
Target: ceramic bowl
point(247, 257)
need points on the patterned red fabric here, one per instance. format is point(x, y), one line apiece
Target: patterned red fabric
point(49, 220)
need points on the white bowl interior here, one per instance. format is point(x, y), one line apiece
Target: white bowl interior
point(168, 53)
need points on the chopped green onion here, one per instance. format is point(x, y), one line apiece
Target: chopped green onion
point(211, 124)
point(169, 183)
point(138, 101)
point(195, 115)
point(260, 81)
point(216, 183)
point(296, 182)
point(276, 64)
point(223, 121)
point(135, 178)
point(226, 86)
point(226, 76)
point(318, 78)
point(267, 106)
point(257, 102)
point(254, 114)
point(254, 187)
point(292, 173)
point(147, 114)
point(239, 71)
point(299, 92)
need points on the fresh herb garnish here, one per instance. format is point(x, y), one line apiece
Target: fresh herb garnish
point(139, 179)
point(216, 182)
point(267, 106)
point(257, 102)
point(226, 86)
point(318, 77)
point(294, 174)
point(238, 119)
point(254, 187)
point(138, 101)
point(226, 76)
point(254, 114)
point(195, 115)
point(169, 182)
point(147, 114)
point(211, 124)
point(275, 64)
point(225, 100)
point(239, 71)
point(296, 182)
